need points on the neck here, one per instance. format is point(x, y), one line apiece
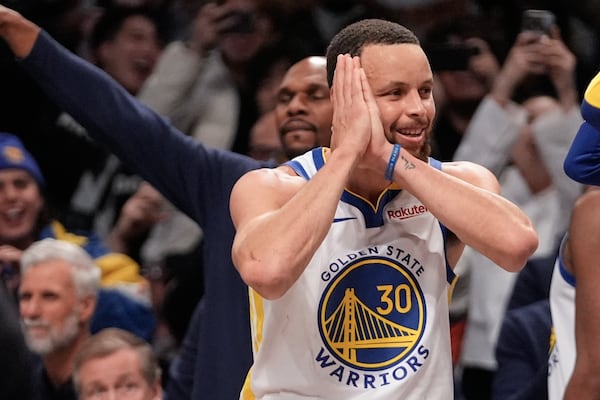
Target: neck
point(59, 364)
point(367, 185)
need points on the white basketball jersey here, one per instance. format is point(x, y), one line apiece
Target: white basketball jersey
point(562, 308)
point(368, 318)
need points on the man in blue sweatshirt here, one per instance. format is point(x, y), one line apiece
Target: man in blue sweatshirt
point(197, 180)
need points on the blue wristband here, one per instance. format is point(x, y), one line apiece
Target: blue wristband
point(389, 171)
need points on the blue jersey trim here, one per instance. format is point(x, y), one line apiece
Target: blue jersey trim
point(318, 155)
point(564, 273)
point(373, 216)
point(318, 158)
point(298, 168)
point(450, 275)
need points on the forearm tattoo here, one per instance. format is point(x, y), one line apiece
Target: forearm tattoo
point(407, 163)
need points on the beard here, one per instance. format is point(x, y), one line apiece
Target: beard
point(55, 339)
point(424, 152)
point(295, 152)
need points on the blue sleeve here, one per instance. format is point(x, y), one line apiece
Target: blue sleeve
point(181, 371)
point(522, 354)
point(583, 159)
point(194, 178)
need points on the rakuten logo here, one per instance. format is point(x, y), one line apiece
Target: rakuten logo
point(408, 212)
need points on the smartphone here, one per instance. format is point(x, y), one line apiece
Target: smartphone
point(538, 21)
point(450, 56)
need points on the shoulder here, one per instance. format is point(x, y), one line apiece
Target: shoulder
point(472, 173)
point(270, 178)
point(262, 191)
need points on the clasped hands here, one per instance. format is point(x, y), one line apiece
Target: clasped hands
point(357, 127)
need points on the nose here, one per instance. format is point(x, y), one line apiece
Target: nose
point(297, 105)
point(150, 46)
point(9, 191)
point(30, 308)
point(414, 103)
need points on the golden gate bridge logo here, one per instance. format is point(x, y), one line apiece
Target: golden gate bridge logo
point(380, 331)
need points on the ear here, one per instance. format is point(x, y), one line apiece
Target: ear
point(157, 389)
point(87, 307)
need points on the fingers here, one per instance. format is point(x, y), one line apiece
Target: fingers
point(351, 118)
point(526, 37)
point(338, 81)
point(368, 94)
point(348, 78)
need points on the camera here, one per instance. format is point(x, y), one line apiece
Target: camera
point(538, 21)
point(450, 56)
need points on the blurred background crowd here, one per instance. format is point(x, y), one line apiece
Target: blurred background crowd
point(214, 67)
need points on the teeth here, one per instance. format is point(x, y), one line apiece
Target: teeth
point(411, 132)
point(13, 213)
point(142, 62)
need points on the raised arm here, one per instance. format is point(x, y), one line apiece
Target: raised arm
point(182, 169)
point(19, 33)
point(464, 197)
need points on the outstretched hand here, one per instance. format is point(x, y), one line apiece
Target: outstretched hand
point(19, 33)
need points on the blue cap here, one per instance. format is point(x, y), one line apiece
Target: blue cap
point(14, 155)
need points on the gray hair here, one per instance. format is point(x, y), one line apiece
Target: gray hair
point(86, 273)
point(109, 341)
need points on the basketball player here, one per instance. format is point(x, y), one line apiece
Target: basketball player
point(575, 358)
point(349, 250)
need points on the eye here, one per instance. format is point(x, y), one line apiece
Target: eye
point(425, 92)
point(128, 387)
point(396, 92)
point(24, 296)
point(284, 98)
point(94, 393)
point(21, 183)
point(50, 296)
point(318, 95)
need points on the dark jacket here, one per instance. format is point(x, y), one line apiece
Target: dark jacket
point(196, 179)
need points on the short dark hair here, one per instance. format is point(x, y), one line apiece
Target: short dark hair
point(354, 37)
point(112, 19)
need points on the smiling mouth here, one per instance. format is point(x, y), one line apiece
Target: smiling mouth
point(411, 132)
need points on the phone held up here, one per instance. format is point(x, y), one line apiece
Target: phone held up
point(539, 21)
